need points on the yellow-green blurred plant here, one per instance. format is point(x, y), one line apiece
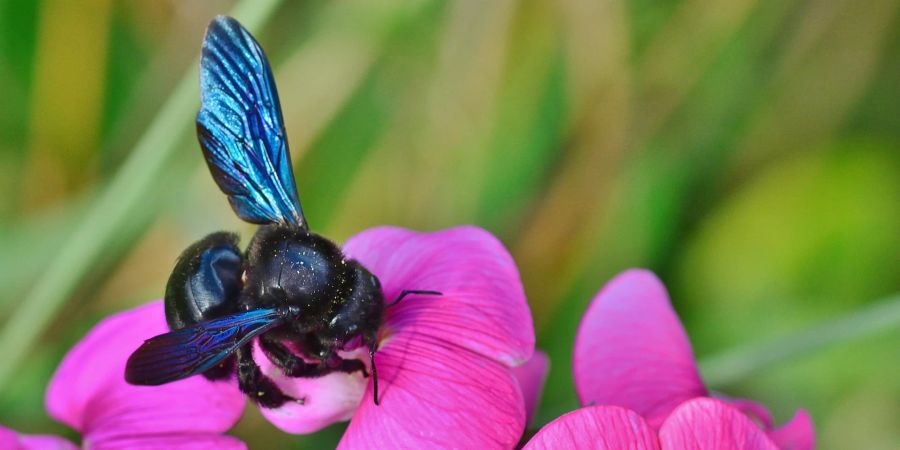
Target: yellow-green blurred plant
point(746, 151)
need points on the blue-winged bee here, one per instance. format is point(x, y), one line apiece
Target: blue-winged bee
point(291, 285)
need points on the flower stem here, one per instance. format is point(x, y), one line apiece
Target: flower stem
point(738, 364)
point(134, 182)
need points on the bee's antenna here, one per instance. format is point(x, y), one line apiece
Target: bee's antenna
point(406, 292)
point(374, 371)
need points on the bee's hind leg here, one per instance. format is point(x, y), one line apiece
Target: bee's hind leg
point(260, 388)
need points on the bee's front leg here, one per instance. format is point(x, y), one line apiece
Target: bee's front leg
point(295, 366)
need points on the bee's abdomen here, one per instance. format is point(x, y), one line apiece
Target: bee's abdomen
point(206, 281)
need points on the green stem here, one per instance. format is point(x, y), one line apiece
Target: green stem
point(738, 364)
point(134, 182)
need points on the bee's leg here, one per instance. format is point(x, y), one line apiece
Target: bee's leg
point(295, 366)
point(222, 371)
point(260, 388)
point(371, 341)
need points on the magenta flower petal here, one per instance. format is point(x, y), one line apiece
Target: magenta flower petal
point(531, 377)
point(89, 393)
point(596, 428)
point(326, 400)
point(632, 351)
point(483, 307)
point(435, 393)
point(444, 362)
point(798, 434)
point(709, 424)
point(195, 441)
point(10, 440)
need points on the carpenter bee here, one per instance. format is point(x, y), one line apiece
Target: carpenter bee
point(292, 289)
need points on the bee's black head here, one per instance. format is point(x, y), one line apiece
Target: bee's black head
point(362, 313)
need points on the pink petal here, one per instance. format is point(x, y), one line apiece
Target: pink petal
point(595, 428)
point(326, 400)
point(437, 394)
point(531, 377)
point(194, 441)
point(10, 440)
point(706, 423)
point(632, 351)
point(798, 434)
point(483, 307)
point(89, 393)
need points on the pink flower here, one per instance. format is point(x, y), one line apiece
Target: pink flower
point(444, 363)
point(631, 351)
point(450, 368)
point(701, 423)
point(88, 393)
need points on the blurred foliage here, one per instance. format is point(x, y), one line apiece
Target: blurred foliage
point(746, 151)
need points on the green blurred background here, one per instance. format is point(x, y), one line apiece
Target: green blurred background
point(746, 151)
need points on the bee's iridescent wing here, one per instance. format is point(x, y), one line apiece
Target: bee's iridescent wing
point(241, 130)
point(195, 349)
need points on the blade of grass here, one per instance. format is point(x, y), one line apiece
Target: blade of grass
point(558, 229)
point(450, 89)
point(738, 364)
point(457, 109)
point(28, 246)
point(680, 54)
point(123, 195)
point(336, 84)
point(528, 121)
point(66, 108)
point(838, 56)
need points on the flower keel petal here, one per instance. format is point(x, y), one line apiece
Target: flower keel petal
point(324, 400)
